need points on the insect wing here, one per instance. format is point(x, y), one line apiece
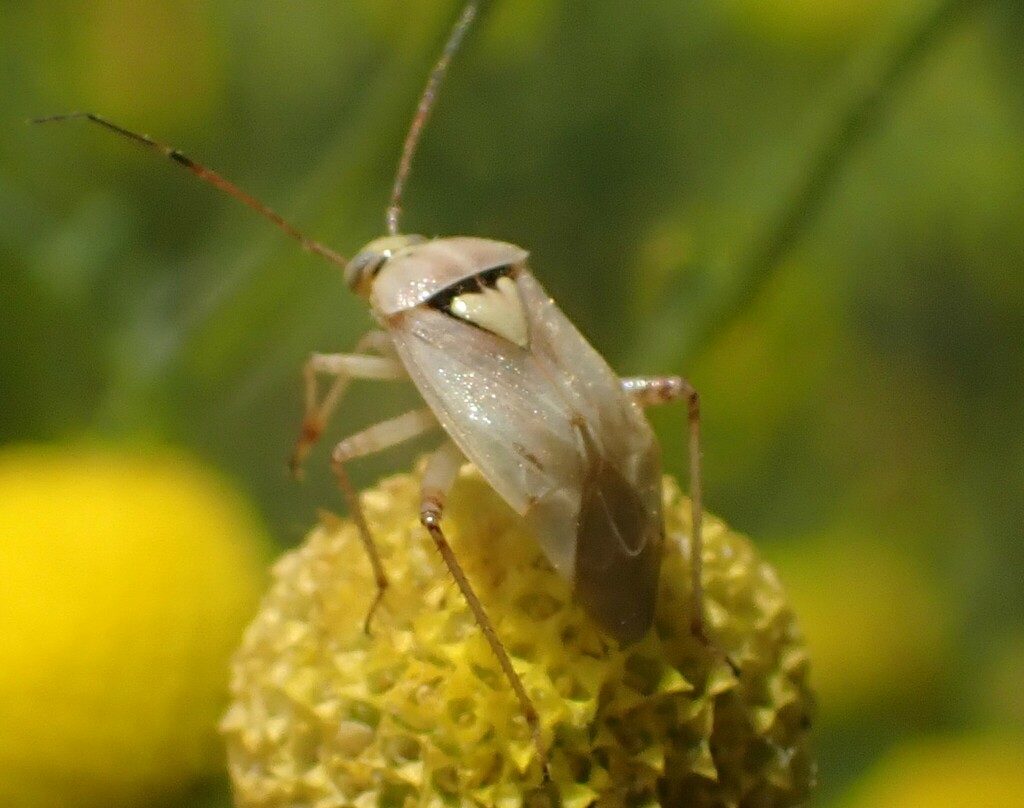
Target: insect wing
point(506, 418)
point(550, 428)
point(619, 526)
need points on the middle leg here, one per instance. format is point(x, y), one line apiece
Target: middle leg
point(438, 479)
point(373, 439)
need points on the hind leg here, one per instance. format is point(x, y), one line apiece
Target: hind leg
point(648, 391)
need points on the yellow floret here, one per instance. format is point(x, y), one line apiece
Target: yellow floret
point(124, 581)
point(419, 714)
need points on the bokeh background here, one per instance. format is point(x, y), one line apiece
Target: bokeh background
point(814, 209)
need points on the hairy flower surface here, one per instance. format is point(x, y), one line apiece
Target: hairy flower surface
point(417, 713)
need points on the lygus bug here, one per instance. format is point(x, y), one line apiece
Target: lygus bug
point(519, 392)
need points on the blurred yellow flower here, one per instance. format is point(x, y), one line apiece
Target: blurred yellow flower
point(125, 579)
point(877, 626)
point(1000, 691)
point(945, 773)
point(418, 713)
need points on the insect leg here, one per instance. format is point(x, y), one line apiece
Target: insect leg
point(373, 439)
point(344, 368)
point(648, 391)
point(438, 478)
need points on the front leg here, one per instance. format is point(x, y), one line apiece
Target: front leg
point(648, 391)
point(344, 368)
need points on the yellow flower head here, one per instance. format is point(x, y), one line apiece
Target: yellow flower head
point(418, 713)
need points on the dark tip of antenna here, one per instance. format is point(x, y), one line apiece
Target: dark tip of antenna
point(64, 116)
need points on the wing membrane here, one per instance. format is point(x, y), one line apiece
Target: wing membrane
point(551, 430)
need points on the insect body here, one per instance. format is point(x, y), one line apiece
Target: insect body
point(533, 406)
point(518, 391)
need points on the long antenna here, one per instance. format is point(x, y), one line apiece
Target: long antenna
point(206, 175)
point(423, 112)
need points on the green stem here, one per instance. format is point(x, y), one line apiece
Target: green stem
point(862, 106)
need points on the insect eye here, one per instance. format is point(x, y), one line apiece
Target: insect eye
point(362, 269)
point(369, 261)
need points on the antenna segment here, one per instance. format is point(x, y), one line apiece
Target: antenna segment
point(207, 175)
point(213, 178)
point(423, 112)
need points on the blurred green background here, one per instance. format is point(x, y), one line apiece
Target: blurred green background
point(814, 209)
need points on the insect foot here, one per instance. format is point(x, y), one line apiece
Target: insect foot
point(309, 434)
point(421, 712)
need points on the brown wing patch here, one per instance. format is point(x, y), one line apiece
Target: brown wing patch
point(618, 553)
